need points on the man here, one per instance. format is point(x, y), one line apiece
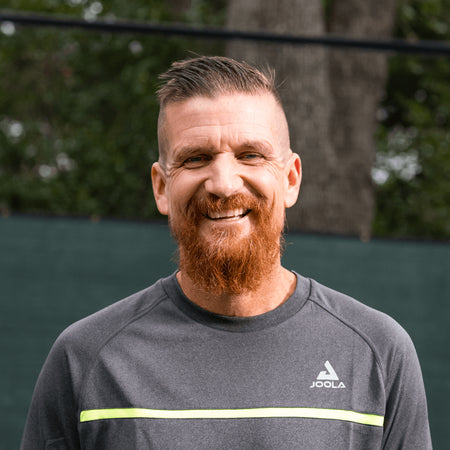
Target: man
point(233, 351)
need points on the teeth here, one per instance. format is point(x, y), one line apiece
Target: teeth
point(226, 214)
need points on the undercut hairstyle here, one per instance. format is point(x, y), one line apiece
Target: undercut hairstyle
point(209, 76)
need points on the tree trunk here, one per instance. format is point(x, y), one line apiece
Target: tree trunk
point(357, 80)
point(330, 111)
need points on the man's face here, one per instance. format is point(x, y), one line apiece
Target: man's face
point(230, 175)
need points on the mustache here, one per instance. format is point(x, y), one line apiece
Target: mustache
point(199, 207)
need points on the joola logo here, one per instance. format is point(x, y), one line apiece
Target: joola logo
point(328, 379)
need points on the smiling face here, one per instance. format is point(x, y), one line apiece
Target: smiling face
point(228, 178)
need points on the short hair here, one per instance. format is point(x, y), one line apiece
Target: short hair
point(213, 75)
point(210, 76)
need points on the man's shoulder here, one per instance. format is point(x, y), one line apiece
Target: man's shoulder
point(380, 331)
point(77, 349)
point(91, 332)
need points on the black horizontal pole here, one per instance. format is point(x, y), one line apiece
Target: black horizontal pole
point(397, 46)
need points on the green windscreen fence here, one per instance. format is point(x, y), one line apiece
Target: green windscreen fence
point(56, 271)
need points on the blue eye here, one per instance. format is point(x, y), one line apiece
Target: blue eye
point(250, 157)
point(195, 159)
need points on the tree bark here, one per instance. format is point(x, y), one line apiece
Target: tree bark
point(330, 100)
point(357, 80)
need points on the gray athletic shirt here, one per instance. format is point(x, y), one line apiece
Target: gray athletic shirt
point(155, 371)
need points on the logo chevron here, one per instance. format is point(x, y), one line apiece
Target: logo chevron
point(329, 374)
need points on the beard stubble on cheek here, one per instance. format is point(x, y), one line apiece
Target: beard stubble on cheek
point(225, 261)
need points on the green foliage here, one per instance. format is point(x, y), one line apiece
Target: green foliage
point(413, 137)
point(78, 111)
point(416, 204)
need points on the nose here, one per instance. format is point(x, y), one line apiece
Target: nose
point(224, 178)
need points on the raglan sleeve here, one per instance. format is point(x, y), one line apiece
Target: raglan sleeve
point(52, 417)
point(406, 418)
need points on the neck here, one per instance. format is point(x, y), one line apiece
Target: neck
point(274, 290)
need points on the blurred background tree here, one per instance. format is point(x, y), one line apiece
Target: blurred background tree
point(413, 140)
point(78, 114)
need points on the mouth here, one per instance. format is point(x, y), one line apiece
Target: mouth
point(228, 215)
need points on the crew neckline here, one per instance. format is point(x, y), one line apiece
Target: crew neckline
point(239, 324)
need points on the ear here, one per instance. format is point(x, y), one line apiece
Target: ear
point(294, 178)
point(159, 188)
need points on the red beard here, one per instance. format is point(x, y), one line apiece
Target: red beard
point(226, 262)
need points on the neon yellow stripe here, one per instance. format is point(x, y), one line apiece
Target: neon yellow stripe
point(252, 413)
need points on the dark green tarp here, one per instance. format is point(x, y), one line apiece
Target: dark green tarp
point(55, 271)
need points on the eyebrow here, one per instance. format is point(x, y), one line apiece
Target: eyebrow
point(184, 152)
point(263, 147)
